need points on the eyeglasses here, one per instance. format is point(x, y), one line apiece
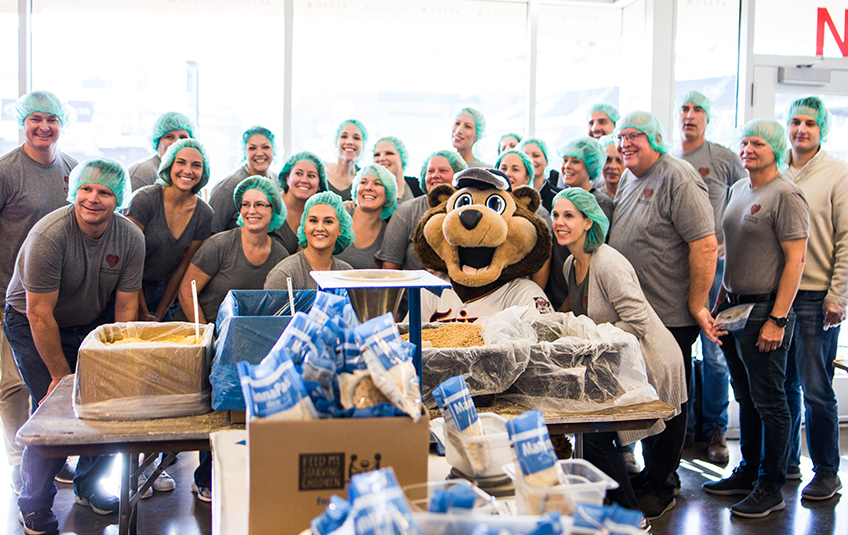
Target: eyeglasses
point(629, 137)
point(258, 205)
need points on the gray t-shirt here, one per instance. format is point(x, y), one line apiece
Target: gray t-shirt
point(578, 294)
point(286, 237)
point(476, 162)
point(604, 201)
point(221, 201)
point(363, 258)
point(407, 193)
point(28, 192)
point(656, 216)
point(720, 168)
point(297, 267)
point(345, 194)
point(398, 246)
point(58, 255)
point(756, 222)
point(144, 172)
point(164, 252)
point(222, 258)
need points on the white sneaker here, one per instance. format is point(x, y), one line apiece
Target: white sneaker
point(631, 463)
point(163, 483)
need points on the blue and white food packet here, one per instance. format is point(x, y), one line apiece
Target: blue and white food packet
point(734, 319)
point(533, 450)
point(485, 529)
point(549, 525)
point(321, 369)
point(325, 307)
point(455, 499)
point(379, 505)
point(273, 389)
point(454, 401)
point(302, 337)
point(332, 518)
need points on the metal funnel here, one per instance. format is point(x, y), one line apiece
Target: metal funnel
point(372, 302)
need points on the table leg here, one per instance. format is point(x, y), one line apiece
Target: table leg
point(415, 330)
point(123, 511)
point(578, 446)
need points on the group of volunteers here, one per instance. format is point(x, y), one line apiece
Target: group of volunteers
point(653, 237)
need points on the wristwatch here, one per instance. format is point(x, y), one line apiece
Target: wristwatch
point(780, 321)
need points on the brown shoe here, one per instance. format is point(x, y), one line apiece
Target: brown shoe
point(717, 448)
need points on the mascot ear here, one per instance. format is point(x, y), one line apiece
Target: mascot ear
point(439, 194)
point(528, 197)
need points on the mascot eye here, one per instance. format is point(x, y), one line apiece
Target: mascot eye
point(496, 203)
point(463, 200)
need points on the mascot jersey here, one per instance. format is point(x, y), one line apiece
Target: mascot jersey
point(519, 292)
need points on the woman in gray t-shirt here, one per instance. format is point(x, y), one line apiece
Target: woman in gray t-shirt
point(175, 221)
point(350, 144)
point(302, 176)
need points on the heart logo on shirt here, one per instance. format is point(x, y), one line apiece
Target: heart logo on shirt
point(66, 180)
point(703, 171)
point(112, 260)
point(647, 193)
point(755, 208)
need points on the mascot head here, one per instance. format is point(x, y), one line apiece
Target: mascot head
point(482, 233)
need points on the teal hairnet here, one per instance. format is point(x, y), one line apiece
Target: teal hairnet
point(815, 108)
point(535, 141)
point(387, 179)
point(700, 100)
point(645, 122)
point(607, 140)
point(104, 171)
point(167, 122)
point(43, 102)
point(399, 147)
point(608, 109)
point(270, 189)
point(517, 137)
point(334, 201)
point(252, 131)
point(171, 155)
point(283, 177)
point(357, 123)
point(453, 158)
point(479, 121)
point(589, 207)
point(590, 151)
point(771, 131)
point(528, 163)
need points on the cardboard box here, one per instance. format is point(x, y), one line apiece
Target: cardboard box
point(294, 467)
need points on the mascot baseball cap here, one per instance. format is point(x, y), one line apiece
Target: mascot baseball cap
point(477, 177)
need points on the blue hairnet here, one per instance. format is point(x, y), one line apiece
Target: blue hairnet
point(645, 122)
point(357, 123)
point(590, 151)
point(399, 147)
point(771, 131)
point(167, 122)
point(454, 159)
point(700, 100)
point(283, 177)
point(43, 102)
point(252, 131)
point(528, 163)
point(535, 141)
point(171, 154)
point(270, 189)
point(479, 120)
point(815, 108)
point(516, 136)
point(386, 178)
point(334, 201)
point(608, 109)
point(588, 206)
point(104, 171)
point(607, 140)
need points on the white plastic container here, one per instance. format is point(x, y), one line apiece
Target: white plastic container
point(492, 448)
point(419, 496)
point(580, 481)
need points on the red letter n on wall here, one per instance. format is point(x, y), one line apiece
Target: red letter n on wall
point(824, 18)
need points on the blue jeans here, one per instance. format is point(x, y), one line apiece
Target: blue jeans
point(757, 379)
point(38, 472)
point(153, 292)
point(715, 389)
point(810, 365)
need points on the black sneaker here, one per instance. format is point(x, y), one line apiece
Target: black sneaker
point(793, 473)
point(102, 504)
point(759, 503)
point(737, 483)
point(823, 486)
point(39, 522)
point(655, 505)
point(66, 476)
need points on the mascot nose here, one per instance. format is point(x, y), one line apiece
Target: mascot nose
point(470, 218)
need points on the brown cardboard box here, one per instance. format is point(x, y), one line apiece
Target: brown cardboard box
point(294, 467)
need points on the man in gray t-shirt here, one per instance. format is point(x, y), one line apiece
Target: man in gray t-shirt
point(33, 183)
point(169, 127)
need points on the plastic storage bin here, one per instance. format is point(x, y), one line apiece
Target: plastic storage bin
point(581, 482)
point(419, 495)
point(492, 448)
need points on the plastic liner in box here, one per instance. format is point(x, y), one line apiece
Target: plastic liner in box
point(586, 367)
point(145, 379)
point(249, 323)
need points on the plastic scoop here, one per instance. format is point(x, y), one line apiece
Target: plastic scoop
point(196, 308)
point(291, 296)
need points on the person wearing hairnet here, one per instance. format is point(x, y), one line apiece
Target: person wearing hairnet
point(546, 187)
point(603, 286)
point(391, 153)
point(663, 224)
point(302, 176)
point(582, 162)
point(325, 230)
point(168, 128)
point(822, 296)
point(613, 166)
point(508, 141)
point(33, 183)
point(468, 127)
point(518, 167)
point(259, 150)
point(376, 201)
point(80, 267)
point(766, 225)
point(602, 119)
point(351, 137)
point(720, 168)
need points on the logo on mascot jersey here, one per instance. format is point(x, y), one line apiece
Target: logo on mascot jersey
point(542, 305)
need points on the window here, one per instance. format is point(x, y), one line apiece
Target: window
point(8, 74)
